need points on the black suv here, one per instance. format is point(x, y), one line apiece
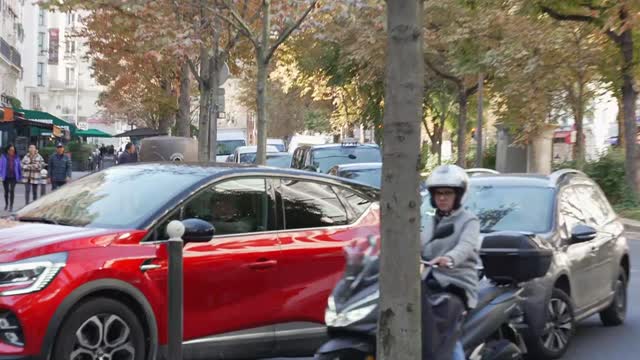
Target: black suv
point(321, 158)
point(568, 213)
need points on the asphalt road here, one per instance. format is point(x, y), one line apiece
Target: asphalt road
point(596, 342)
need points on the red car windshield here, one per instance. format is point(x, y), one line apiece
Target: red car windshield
point(120, 197)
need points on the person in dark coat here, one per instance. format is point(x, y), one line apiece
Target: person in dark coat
point(10, 174)
point(129, 155)
point(59, 168)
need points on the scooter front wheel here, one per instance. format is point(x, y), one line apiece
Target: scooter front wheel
point(347, 354)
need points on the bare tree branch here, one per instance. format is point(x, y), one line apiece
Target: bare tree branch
point(441, 73)
point(237, 21)
point(287, 32)
point(194, 71)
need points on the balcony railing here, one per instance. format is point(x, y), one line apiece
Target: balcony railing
point(10, 53)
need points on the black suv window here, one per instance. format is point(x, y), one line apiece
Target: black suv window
point(356, 203)
point(234, 206)
point(310, 205)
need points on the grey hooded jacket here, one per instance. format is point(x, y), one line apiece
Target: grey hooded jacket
point(462, 246)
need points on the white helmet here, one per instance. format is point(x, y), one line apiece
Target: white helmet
point(449, 176)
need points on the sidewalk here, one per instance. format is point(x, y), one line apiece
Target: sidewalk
point(19, 197)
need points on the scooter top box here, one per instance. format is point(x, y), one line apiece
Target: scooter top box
point(514, 257)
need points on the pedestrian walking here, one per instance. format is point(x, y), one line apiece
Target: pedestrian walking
point(32, 164)
point(129, 155)
point(10, 174)
point(109, 159)
point(59, 167)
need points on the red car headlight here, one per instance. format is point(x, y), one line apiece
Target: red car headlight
point(30, 275)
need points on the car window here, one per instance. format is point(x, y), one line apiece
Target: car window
point(326, 158)
point(226, 147)
point(281, 161)
point(117, 198)
point(234, 207)
point(371, 177)
point(505, 208)
point(597, 204)
point(248, 158)
point(310, 205)
point(356, 203)
point(571, 210)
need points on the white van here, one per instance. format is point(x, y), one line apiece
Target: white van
point(228, 141)
point(299, 140)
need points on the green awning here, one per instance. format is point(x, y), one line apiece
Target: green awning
point(46, 118)
point(93, 133)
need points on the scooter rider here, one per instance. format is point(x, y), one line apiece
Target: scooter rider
point(453, 258)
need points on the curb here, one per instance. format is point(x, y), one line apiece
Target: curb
point(630, 225)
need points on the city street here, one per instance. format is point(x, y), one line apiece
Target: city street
point(594, 341)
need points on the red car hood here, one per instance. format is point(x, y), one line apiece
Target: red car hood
point(19, 240)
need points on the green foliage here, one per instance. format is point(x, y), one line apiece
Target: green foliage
point(46, 152)
point(317, 121)
point(15, 103)
point(609, 173)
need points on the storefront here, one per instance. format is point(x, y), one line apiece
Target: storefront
point(16, 129)
point(43, 137)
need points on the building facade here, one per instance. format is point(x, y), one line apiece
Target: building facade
point(11, 42)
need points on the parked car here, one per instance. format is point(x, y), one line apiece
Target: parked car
point(83, 270)
point(278, 143)
point(366, 173)
point(279, 159)
point(247, 154)
point(228, 140)
point(321, 158)
point(302, 140)
point(568, 213)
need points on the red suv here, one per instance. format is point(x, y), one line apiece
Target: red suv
point(83, 271)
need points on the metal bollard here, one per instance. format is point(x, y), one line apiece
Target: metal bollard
point(175, 230)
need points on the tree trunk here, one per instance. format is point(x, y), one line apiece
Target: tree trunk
point(205, 101)
point(261, 122)
point(578, 149)
point(629, 96)
point(261, 88)
point(165, 119)
point(479, 138)
point(620, 120)
point(399, 327)
point(214, 80)
point(462, 128)
point(184, 102)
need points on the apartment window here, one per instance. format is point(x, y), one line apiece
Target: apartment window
point(35, 101)
point(41, 38)
point(41, 17)
point(71, 18)
point(71, 76)
point(70, 47)
point(40, 74)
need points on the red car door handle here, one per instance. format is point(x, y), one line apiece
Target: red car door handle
point(263, 264)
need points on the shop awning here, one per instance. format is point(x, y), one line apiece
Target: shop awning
point(46, 118)
point(93, 133)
